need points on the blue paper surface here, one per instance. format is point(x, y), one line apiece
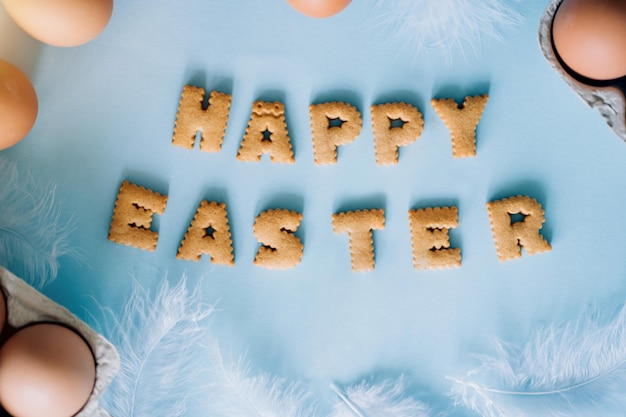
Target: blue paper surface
point(107, 112)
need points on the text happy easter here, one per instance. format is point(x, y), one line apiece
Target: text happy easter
point(333, 124)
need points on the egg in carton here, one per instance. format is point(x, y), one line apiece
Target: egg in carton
point(606, 97)
point(26, 306)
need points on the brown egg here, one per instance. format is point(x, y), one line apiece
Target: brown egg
point(46, 370)
point(317, 8)
point(590, 37)
point(18, 105)
point(61, 22)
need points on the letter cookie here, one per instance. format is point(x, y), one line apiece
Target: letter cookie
point(266, 133)
point(192, 118)
point(387, 137)
point(132, 216)
point(430, 238)
point(508, 235)
point(359, 225)
point(326, 135)
point(209, 234)
point(461, 121)
point(275, 229)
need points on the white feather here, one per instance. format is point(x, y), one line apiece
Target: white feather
point(576, 369)
point(384, 399)
point(236, 391)
point(158, 336)
point(32, 235)
point(424, 26)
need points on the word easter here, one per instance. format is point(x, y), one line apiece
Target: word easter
point(209, 233)
point(333, 124)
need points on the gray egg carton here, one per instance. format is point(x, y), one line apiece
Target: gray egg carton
point(609, 101)
point(26, 305)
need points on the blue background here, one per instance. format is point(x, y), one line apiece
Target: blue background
point(107, 111)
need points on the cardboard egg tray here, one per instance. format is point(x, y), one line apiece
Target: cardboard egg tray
point(609, 100)
point(26, 305)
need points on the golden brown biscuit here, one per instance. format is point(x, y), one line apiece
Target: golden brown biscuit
point(132, 216)
point(327, 136)
point(359, 225)
point(461, 121)
point(430, 238)
point(508, 235)
point(192, 118)
point(208, 234)
point(266, 134)
point(388, 138)
point(280, 249)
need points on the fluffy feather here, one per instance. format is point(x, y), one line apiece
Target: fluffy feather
point(32, 235)
point(419, 26)
point(384, 399)
point(575, 369)
point(157, 336)
point(235, 391)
